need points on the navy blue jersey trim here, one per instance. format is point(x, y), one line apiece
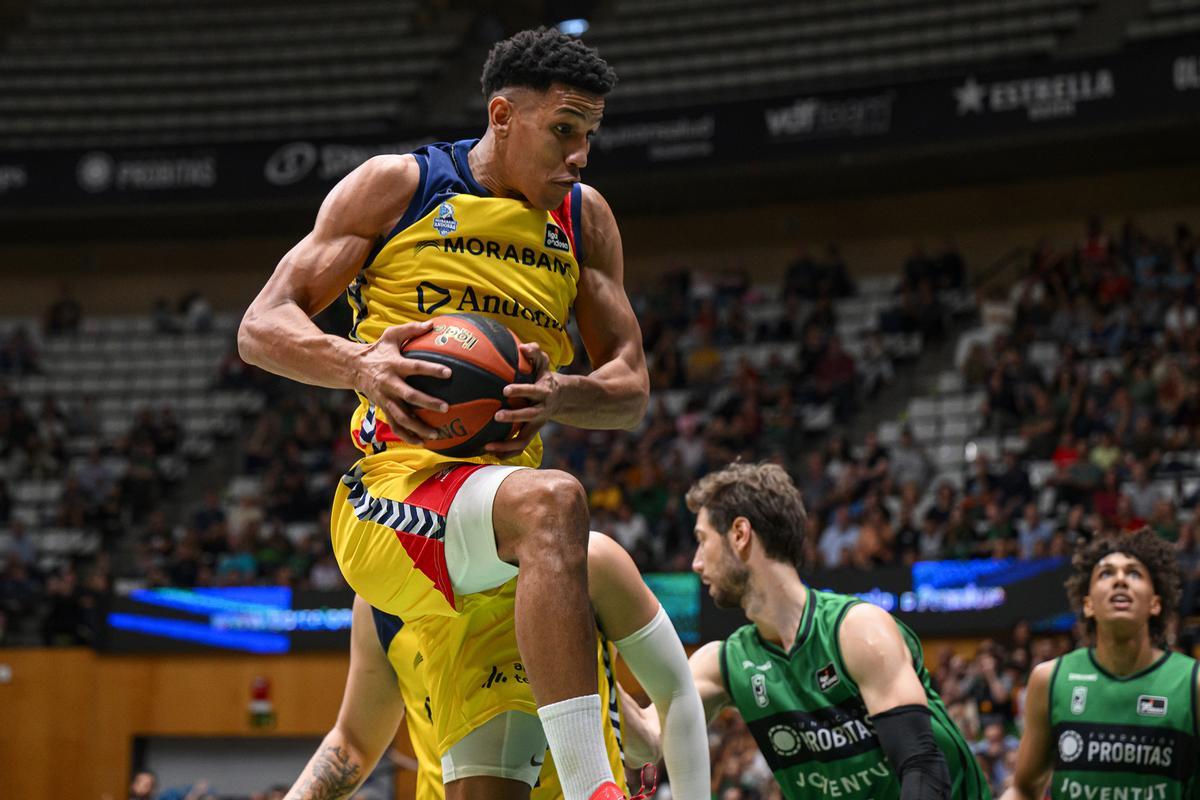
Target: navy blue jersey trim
point(576, 223)
point(386, 626)
point(460, 151)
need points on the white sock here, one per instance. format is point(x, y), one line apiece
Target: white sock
point(574, 729)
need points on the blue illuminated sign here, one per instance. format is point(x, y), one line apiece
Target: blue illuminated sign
point(254, 619)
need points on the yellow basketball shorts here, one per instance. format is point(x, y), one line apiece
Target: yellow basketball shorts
point(473, 670)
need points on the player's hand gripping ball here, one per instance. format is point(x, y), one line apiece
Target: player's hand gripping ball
point(483, 358)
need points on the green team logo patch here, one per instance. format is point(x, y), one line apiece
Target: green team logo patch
point(1149, 705)
point(758, 682)
point(1078, 699)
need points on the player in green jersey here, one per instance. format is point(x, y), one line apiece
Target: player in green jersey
point(1116, 721)
point(834, 690)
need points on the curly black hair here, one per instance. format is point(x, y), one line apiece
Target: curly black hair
point(1147, 547)
point(537, 58)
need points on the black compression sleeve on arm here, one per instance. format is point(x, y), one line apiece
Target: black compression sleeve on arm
point(906, 735)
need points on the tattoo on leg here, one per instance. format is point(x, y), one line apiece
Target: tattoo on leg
point(332, 775)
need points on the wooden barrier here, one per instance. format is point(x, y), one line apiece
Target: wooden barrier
point(68, 717)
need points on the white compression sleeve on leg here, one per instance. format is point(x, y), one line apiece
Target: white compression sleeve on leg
point(656, 657)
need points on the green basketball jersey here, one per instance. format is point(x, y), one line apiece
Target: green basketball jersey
point(1130, 738)
point(810, 721)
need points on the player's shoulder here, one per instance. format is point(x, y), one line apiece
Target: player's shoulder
point(595, 207)
point(746, 638)
point(1182, 658)
point(708, 661)
point(854, 617)
point(372, 195)
point(1042, 675)
point(596, 215)
point(388, 169)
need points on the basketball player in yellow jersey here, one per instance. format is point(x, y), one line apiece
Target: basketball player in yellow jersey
point(502, 227)
point(390, 675)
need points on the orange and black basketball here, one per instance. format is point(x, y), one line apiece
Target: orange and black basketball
point(483, 358)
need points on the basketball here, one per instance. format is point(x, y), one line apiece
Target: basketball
point(483, 358)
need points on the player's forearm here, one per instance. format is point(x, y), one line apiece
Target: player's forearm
point(642, 733)
point(685, 746)
point(333, 773)
point(283, 340)
point(614, 396)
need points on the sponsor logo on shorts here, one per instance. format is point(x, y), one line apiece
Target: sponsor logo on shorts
point(495, 677)
point(500, 675)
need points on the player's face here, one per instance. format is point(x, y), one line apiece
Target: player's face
point(549, 138)
point(1121, 593)
point(717, 566)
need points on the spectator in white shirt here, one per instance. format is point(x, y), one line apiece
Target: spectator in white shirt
point(839, 539)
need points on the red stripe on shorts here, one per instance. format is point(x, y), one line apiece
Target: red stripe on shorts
point(435, 494)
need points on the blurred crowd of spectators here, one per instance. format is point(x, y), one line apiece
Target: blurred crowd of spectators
point(1089, 365)
point(119, 489)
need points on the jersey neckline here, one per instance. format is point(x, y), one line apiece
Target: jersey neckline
point(459, 153)
point(1091, 652)
point(806, 624)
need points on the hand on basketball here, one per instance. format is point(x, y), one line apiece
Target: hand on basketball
point(383, 372)
point(542, 397)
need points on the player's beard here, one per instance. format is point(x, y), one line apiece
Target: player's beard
point(730, 588)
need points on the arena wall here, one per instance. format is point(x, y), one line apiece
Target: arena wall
point(68, 717)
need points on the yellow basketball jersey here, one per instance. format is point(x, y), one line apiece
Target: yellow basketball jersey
point(459, 249)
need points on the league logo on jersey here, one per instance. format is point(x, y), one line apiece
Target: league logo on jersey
point(556, 239)
point(1149, 705)
point(445, 223)
point(1078, 699)
point(827, 677)
point(758, 682)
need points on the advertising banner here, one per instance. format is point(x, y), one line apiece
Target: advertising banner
point(1145, 84)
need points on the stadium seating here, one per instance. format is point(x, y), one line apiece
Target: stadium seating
point(124, 370)
point(146, 71)
point(1166, 18)
point(669, 52)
